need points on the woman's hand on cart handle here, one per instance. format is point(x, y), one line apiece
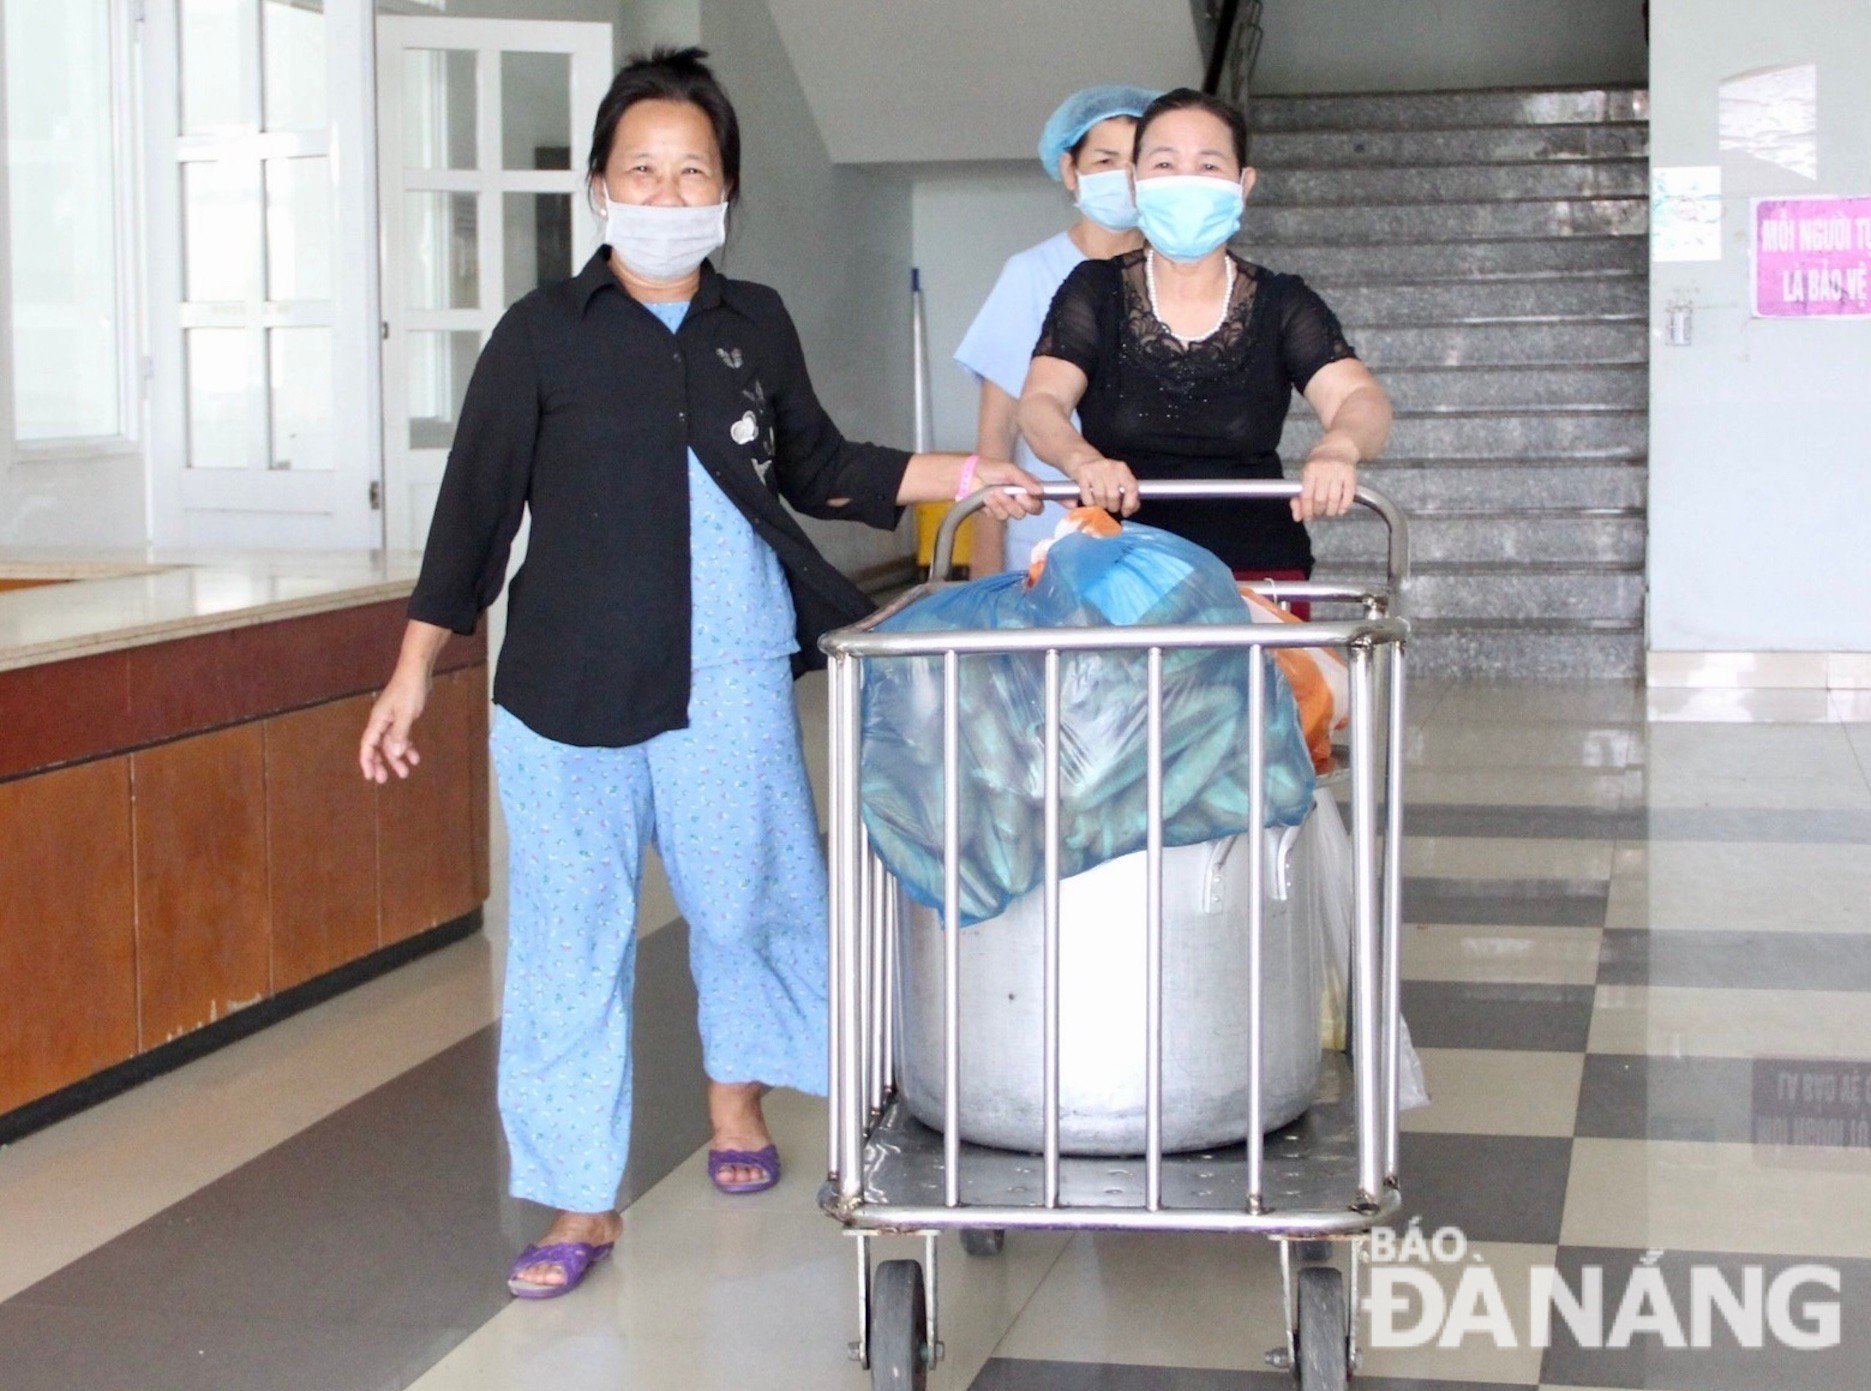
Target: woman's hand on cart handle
point(1016, 493)
point(946, 477)
point(1106, 483)
point(1328, 482)
point(385, 747)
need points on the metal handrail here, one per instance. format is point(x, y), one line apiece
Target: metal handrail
point(1397, 560)
point(1234, 48)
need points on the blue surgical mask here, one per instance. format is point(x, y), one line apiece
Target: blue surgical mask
point(1106, 199)
point(1186, 216)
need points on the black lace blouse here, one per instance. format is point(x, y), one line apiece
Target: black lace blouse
point(1214, 408)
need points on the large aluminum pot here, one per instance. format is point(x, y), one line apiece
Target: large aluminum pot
point(1102, 1006)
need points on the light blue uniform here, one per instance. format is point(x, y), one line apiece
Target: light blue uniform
point(729, 807)
point(998, 347)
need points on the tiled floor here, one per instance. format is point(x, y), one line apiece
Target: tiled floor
point(1637, 965)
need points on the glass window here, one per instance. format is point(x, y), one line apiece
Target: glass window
point(443, 246)
point(220, 254)
point(62, 216)
point(439, 107)
point(298, 228)
point(219, 392)
point(299, 380)
point(212, 63)
point(440, 363)
point(536, 110)
point(292, 40)
point(538, 240)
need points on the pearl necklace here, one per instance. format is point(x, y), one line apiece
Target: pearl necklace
point(1227, 298)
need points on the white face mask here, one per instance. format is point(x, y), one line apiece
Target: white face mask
point(664, 243)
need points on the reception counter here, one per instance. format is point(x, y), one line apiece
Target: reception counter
point(187, 847)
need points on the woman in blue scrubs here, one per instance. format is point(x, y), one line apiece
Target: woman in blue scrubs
point(1086, 146)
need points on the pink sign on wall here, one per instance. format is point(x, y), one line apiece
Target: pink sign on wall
point(1812, 258)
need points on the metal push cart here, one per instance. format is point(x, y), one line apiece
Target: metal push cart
point(1314, 1187)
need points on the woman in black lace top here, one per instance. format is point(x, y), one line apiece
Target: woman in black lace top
point(1181, 359)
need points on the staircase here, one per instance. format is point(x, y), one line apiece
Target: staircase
point(1487, 254)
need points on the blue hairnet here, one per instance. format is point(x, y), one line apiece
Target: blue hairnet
point(1081, 111)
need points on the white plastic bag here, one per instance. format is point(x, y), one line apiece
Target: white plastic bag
point(1332, 906)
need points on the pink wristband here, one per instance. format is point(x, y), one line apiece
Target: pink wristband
point(968, 467)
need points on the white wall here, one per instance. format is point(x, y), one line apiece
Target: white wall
point(834, 241)
point(1426, 45)
point(1760, 491)
point(969, 221)
point(899, 81)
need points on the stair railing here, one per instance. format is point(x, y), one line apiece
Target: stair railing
point(1234, 33)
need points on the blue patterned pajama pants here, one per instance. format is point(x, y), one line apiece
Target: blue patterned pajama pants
point(728, 806)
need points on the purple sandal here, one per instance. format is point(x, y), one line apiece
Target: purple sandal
point(766, 1160)
point(575, 1257)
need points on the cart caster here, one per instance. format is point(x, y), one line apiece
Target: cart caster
point(1323, 1347)
point(899, 1331)
point(983, 1241)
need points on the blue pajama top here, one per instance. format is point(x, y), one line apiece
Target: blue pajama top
point(740, 608)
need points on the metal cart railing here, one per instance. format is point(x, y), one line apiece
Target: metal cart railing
point(1316, 1186)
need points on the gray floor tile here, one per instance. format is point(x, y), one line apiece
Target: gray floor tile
point(355, 1253)
point(1474, 1014)
point(1628, 1097)
point(1506, 902)
point(1493, 1187)
point(1726, 1365)
point(1021, 1374)
point(132, 1349)
point(1832, 827)
point(1736, 960)
point(1783, 826)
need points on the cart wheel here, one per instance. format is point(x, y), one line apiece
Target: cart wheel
point(1322, 1345)
point(983, 1241)
point(899, 1328)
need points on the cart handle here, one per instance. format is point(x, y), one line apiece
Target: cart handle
point(1397, 565)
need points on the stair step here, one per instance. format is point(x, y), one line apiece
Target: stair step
point(1469, 485)
point(1527, 652)
point(1281, 149)
point(1292, 187)
point(1384, 261)
point(1465, 388)
point(1499, 434)
point(1451, 301)
point(1455, 221)
point(1486, 253)
point(1608, 535)
point(1521, 593)
point(1601, 342)
point(1449, 110)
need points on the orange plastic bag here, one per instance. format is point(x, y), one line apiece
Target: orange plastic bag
point(1321, 683)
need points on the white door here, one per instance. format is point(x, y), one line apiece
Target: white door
point(483, 129)
point(263, 364)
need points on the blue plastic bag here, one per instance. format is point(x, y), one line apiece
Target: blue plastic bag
point(1142, 576)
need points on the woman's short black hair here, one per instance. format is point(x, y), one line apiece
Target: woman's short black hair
point(668, 74)
point(1188, 99)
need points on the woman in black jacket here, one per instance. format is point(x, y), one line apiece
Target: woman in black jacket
point(651, 415)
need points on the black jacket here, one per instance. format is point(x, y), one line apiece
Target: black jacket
point(582, 409)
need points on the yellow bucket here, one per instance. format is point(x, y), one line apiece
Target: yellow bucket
point(929, 517)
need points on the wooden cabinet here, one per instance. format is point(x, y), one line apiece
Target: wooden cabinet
point(427, 823)
point(184, 831)
point(202, 940)
point(67, 935)
point(322, 821)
